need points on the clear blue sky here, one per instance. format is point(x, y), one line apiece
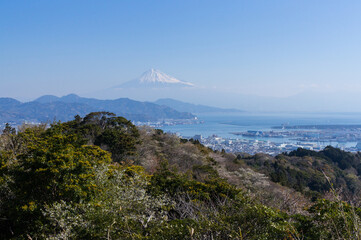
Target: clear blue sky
point(264, 47)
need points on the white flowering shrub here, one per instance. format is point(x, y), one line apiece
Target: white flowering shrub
point(120, 209)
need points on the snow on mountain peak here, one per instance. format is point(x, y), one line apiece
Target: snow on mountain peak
point(156, 76)
point(154, 79)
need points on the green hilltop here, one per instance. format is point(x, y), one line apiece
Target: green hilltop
point(101, 177)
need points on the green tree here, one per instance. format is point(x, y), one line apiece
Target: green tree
point(114, 134)
point(53, 166)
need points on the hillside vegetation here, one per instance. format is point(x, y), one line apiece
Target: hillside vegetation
point(100, 177)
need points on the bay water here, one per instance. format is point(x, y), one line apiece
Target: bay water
point(224, 124)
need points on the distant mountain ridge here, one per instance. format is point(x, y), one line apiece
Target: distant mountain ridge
point(49, 108)
point(47, 99)
point(192, 108)
point(8, 102)
point(17, 112)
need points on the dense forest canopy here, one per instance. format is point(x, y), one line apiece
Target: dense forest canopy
point(100, 177)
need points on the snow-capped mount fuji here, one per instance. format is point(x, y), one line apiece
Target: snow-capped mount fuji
point(154, 79)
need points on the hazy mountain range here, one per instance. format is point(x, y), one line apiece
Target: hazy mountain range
point(50, 107)
point(154, 84)
point(193, 108)
point(156, 93)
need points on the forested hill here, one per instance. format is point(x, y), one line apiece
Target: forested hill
point(49, 108)
point(101, 177)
